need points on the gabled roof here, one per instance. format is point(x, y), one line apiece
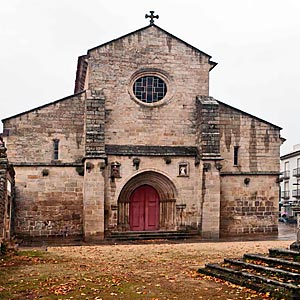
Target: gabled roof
point(211, 101)
point(159, 28)
point(42, 106)
point(81, 68)
point(249, 115)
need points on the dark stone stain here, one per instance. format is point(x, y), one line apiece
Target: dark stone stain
point(139, 36)
point(253, 147)
point(79, 135)
point(236, 129)
point(196, 124)
point(169, 43)
point(227, 138)
point(232, 130)
point(118, 45)
point(267, 141)
point(200, 59)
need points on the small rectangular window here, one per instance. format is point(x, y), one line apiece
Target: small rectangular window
point(55, 149)
point(236, 155)
point(286, 186)
point(286, 166)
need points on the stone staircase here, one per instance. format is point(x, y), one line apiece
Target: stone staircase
point(151, 235)
point(277, 273)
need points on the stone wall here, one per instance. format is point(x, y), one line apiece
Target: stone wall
point(249, 189)
point(49, 192)
point(258, 141)
point(49, 202)
point(249, 205)
point(30, 135)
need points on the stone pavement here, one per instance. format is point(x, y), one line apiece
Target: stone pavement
point(287, 231)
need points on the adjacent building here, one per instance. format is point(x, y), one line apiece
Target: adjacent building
point(290, 183)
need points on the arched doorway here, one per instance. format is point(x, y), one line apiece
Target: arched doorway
point(144, 209)
point(133, 201)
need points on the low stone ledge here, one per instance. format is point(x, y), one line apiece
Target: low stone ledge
point(46, 164)
point(258, 173)
point(151, 150)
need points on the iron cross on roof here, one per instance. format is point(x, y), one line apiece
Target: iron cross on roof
point(151, 16)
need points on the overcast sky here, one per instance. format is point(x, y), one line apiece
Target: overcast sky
point(256, 44)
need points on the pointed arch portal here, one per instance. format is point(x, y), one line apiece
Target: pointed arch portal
point(147, 203)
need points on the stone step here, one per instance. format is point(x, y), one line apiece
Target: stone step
point(263, 269)
point(149, 235)
point(284, 253)
point(276, 288)
point(273, 261)
point(277, 273)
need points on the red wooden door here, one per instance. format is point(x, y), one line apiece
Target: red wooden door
point(144, 209)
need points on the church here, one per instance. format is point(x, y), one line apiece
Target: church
point(141, 146)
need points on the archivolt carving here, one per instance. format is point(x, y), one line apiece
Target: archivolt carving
point(163, 185)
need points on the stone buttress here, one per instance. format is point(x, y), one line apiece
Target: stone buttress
point(94, 181)
point(209, 141)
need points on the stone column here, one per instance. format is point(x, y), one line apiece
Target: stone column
point(7, 179)
point(95, 159)
point(3, 181)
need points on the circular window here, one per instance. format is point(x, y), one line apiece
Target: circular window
point(149, 89)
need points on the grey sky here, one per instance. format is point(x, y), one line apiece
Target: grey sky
point(256, 44)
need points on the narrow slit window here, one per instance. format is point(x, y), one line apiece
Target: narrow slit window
point(236, 155)
point(55, 149)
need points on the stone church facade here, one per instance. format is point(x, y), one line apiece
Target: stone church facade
point(141, 146)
